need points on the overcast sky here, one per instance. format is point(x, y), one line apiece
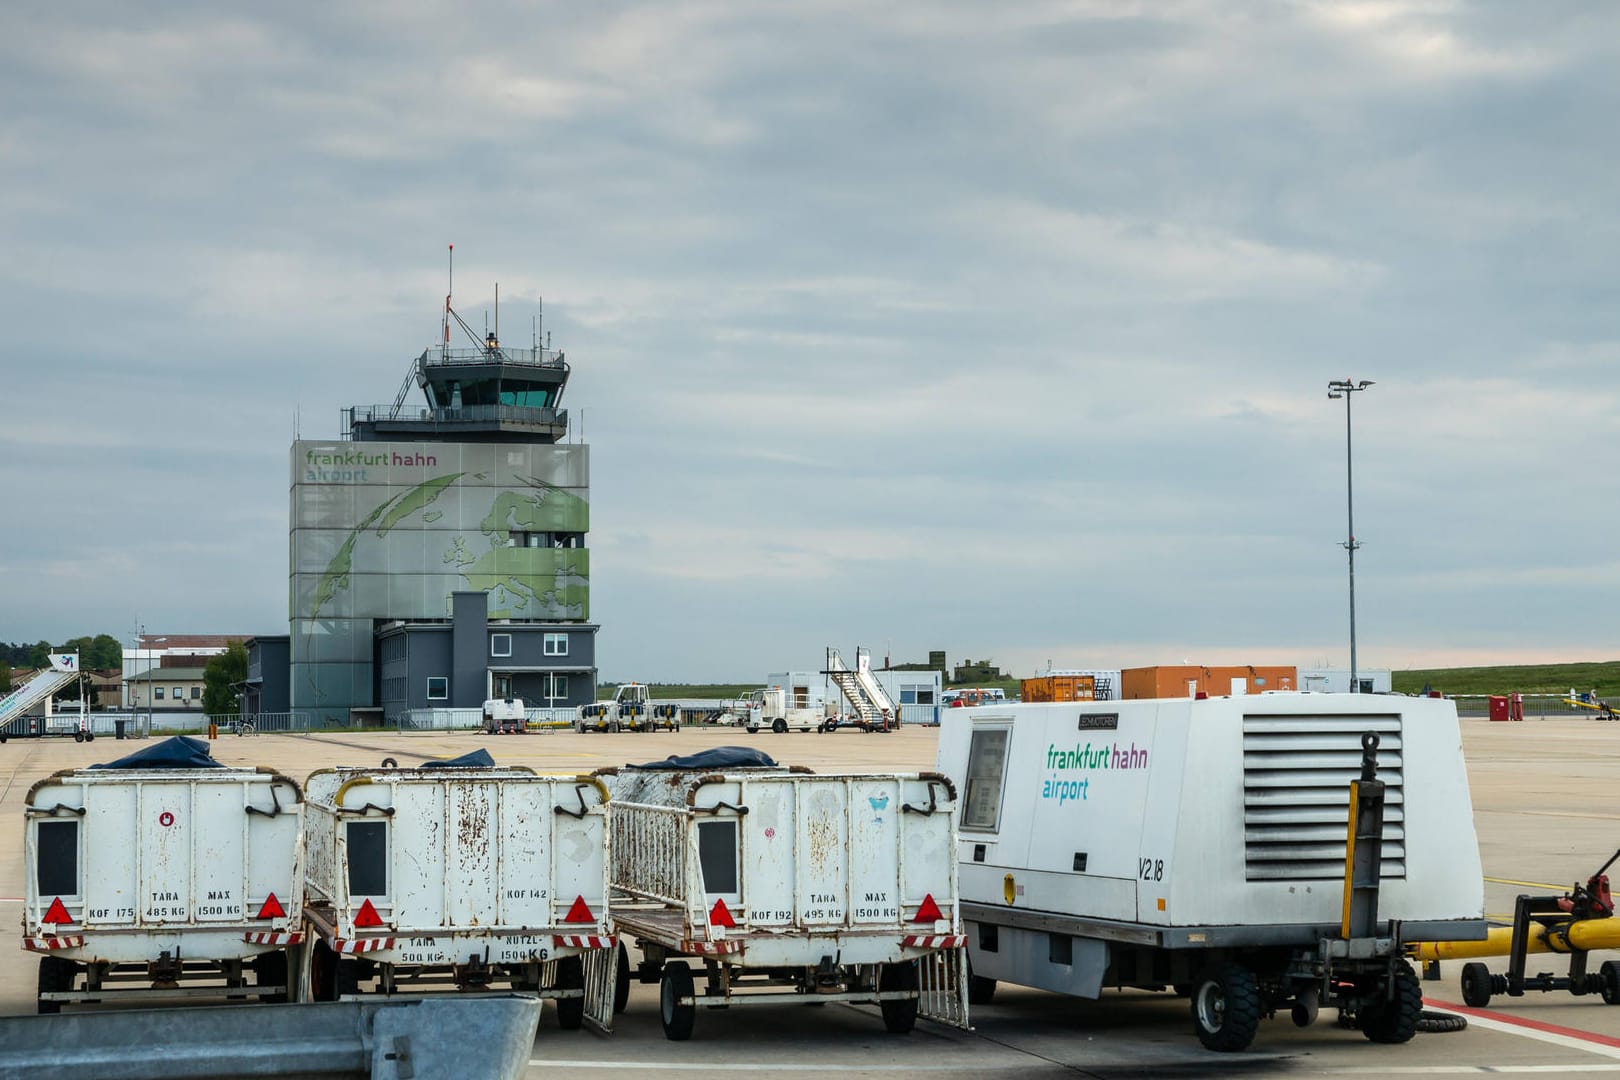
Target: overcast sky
point(1004, 329)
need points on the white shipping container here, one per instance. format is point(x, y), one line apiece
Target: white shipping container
point(837, 883)
point(460, 878)
point(175, 873)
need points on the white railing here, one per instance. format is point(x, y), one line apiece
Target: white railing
point(649, 851)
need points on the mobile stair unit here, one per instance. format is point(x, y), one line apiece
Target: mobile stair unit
point(1263, 853)
point(870, 706)
point(63, 670)
point(785, 886)
point(163, 874)
point(462, 877)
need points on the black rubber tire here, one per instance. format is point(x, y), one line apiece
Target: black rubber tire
point(330, 975)
point(89, 736)
point(981, 991)
point(779, 726)
point(78, 736)
point(1476, 985)
point(621, 984)
point(55, 976)
point(270, 969)
point(1439, 1023)
point(1610, 974)
point(1226, 1007)
point(1395, 1020)
point(899, 1017)
point(754, 730)
point(675, 984)
point(571, 976)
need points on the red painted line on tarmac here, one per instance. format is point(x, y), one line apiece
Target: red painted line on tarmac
point(1519, 1021)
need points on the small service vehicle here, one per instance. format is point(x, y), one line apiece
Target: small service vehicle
point(462, 876)
point(504, 716)
point(780, 885)
point(768, 709)
point(632, 709)
point(162, 874)
point(1257, 853)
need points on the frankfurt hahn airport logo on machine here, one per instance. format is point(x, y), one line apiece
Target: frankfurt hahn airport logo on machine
point(1102, 757)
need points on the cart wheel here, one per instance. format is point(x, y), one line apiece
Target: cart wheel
point(331, 976)
point(621, 987)
point(270, 969)
point(571, 976)
point(753, 729)
point(676, 984)
point(980, 990)
point(1476, 985)
point(55, 976)
point(89, 736)
point(779, 726)
point(1610, 974)
point(1226, 1007)
point(899, 1017)
point(1395, 1019)
point(78, 736)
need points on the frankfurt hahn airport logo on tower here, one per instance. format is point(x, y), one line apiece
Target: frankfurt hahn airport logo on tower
point(351, 466)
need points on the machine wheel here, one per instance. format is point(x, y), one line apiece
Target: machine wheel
point(78, 736)
point(899, 1017)
point(779, 726)
point(753, 729)
point(270, 969)
point(980, 990)
point(676, 984)
point(571, 976)
point(1395, 1020)
point(331, 976)
point(1610, 974)
point(55, 976)
point(1226, 1007)
point(1476, 985)
point(621, 985)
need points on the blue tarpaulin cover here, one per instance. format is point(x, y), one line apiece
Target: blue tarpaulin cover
point(179, 752)
point(478, 759)
point(720, 757)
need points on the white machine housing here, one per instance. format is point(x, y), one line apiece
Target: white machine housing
point(1195, 824)
point(183, 861)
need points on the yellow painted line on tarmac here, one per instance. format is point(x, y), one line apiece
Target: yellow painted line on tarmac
point(1526, 884)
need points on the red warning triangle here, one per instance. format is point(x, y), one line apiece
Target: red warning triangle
point(273, 910)
point(720, 915)
point(58, 912)
point(580, 912)
point(367, 916)
point(929, 912)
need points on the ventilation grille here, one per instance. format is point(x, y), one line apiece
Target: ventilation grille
point(1296, 794)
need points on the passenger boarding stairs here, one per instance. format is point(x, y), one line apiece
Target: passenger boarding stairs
point(63, 670)
point(864, 693)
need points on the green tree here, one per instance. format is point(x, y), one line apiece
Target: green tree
point(40, 655)
point(105, 652)
point(230, 666)
point(5, 678)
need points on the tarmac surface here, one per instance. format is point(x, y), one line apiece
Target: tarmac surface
point(1543, 807)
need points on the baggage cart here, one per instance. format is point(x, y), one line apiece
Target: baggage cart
point(470, 878)
point(780, 885)
point(164, 874)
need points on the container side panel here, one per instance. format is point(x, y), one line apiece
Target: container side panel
point(823, 846)
point(768, 854)
point(112, 893)
point(874, 850)
point(525, 854)
point(165, 822)
point(220, 852)
point(473, 837)
point(272, 857)
point(321, 877)
point(581, 865)
point(927, 850)
point(418, 858)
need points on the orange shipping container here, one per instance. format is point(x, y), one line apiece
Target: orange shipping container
point(1189, 680)
point(1059, 688)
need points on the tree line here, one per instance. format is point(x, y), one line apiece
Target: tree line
point(95, 653)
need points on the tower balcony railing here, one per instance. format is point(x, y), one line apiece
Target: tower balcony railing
point(499, 354)
point(464, 414)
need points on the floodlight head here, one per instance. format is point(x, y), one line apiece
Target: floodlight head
point(1364, 384)
point(1334, 395)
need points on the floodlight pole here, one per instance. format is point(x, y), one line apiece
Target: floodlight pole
point(1337, 389)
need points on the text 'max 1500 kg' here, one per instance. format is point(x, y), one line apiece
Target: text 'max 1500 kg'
point(781, 885)
point(1256, 853)
point(470, 878)
point(148, 876)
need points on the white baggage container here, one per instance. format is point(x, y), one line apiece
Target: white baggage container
point(460, 879)
point(1204, 844)
point(141, 880)
point(789, 886)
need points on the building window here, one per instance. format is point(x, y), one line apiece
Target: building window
point(438, 688)
point(157, 693)
point(500, 644)
point(556, 645)
point(196, 693)
point(179, 693)
point(555, 687)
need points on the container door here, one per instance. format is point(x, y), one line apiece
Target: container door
point(874, 851)
point(219, 846)
point(525, 868)
point(821, 844)
point(580, 864)
point(110, 839)
point(408, 892)
point(472, 838)
point(768, 852)
point(164, 823)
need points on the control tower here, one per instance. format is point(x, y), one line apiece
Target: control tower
point(474, 488)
